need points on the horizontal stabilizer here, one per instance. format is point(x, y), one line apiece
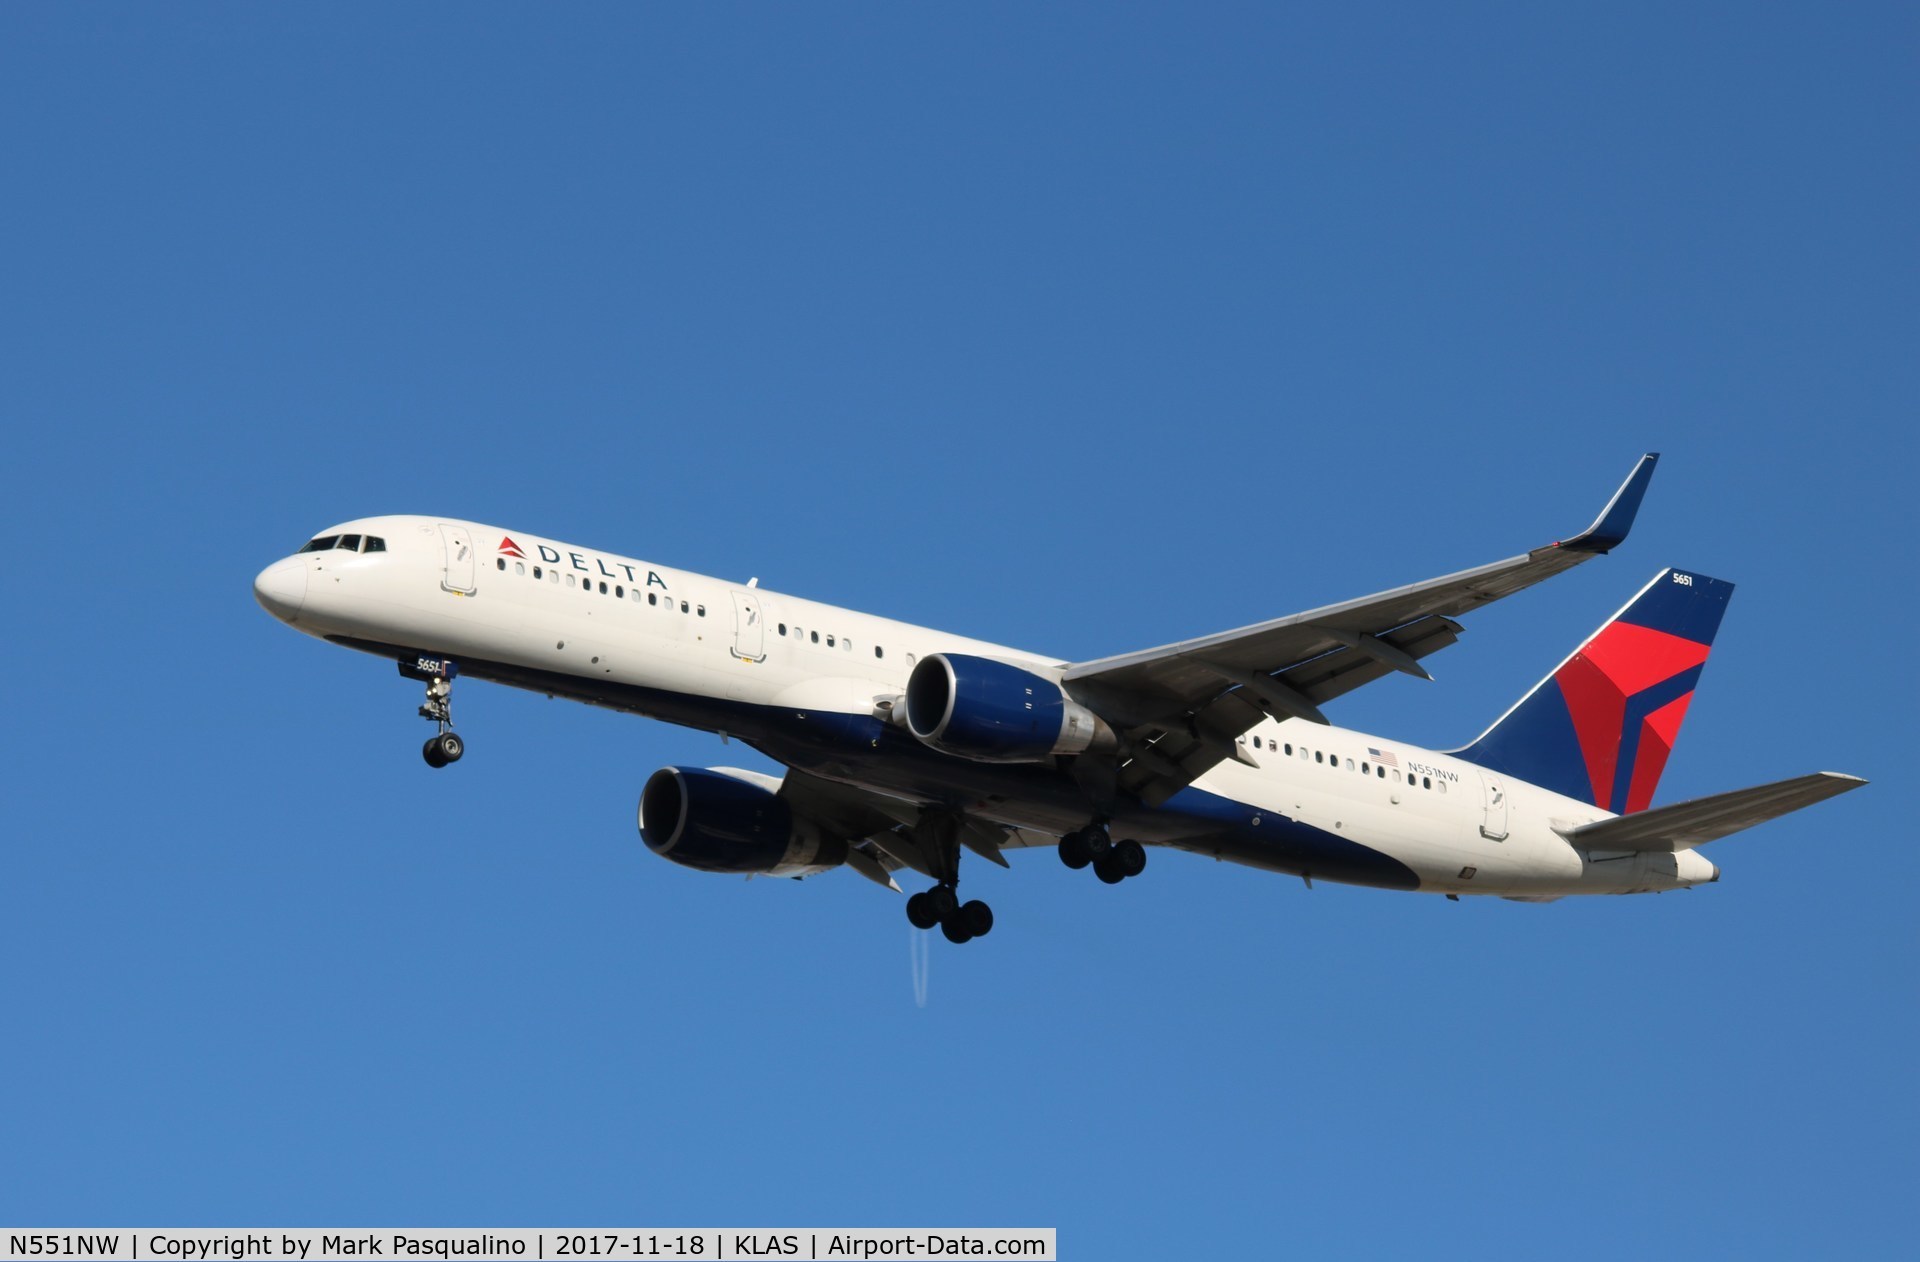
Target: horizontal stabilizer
point(1687, 824)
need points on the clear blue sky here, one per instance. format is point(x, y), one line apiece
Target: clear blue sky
point(1081, 328)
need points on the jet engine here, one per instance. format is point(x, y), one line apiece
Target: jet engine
point(722, 820)
point(992, 711)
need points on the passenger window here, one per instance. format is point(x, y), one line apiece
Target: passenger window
point(829, 641)
point(553, 576)
point(619, 592)
point(1256, 742)
point(322, 544)
point(878, 651)
point(846, 646)
point(1317, 756)
point(816, 637)
point(374, 544)
point(1426, 782)
point(520, 568)
point(1349, 764)
point(683, 606)
point(1380, 771)
point(653, 598)
point(1289, 749)
point(500, 563)
point(1396, 777)
point(603, 589)
point(536, 573)
point(1364, 771)
point(700, 611)
point(1443, 786)
point(783, 628)
point(569, 580)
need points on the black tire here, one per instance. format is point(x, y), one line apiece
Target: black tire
point(451, 746)
point(432, 752)
point(1074, 851)
point(1130, 857)
point(1099, 840)
point(943, 901)
point(920, 912)
point(1108, 870)
point(954, 927)
point(978, 918)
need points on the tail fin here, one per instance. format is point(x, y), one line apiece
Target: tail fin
point(1600, 727)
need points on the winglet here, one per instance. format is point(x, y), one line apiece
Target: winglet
point(1610, 529)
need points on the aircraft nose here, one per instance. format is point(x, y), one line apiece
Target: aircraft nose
point(281, 588)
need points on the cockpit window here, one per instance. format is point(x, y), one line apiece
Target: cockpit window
point(321, 544)
point(350, 543)
point(374, 543)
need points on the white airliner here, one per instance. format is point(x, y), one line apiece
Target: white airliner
point(904, 745)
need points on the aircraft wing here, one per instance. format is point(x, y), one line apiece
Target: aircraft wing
point(1687, 824)
point(879, 829)
point(1182, 707)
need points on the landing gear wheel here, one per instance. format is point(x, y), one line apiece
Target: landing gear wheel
point(444, 747)
point(1108, 869)
point(955, 929)
point(1074, 851)
point(920, 911)
point(978, 918)
point(943, 901)
point(1130, 857)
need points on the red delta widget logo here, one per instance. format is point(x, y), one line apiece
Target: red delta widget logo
point(552, 556)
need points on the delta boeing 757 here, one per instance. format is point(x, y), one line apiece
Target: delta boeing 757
point(905, 746)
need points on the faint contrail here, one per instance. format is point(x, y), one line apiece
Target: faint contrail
point(919, 956)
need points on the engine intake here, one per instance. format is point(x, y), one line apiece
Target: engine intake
point(718, 820)
point(993, 711)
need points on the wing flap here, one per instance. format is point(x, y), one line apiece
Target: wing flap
point(1185, 746)
point(1687, 824)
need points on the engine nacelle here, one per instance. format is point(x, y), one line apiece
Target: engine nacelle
point(992, 711)
point(721, 820)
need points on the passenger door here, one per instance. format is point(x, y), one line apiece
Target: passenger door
point(459, 569)
point(749, 633)
point(1494, 826)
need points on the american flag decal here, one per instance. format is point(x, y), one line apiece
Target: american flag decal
point(1382, 756)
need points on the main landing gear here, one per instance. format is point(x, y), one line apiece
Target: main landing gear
point(941, 905)
point(1112, 861)
point(445, 745)
point(939, 836)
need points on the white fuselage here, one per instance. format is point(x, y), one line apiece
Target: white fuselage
point(798, 679)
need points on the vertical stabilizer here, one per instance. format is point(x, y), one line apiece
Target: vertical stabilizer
point(1601, 726)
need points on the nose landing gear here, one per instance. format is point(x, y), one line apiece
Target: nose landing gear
point(443, 749)
point(445, 745)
